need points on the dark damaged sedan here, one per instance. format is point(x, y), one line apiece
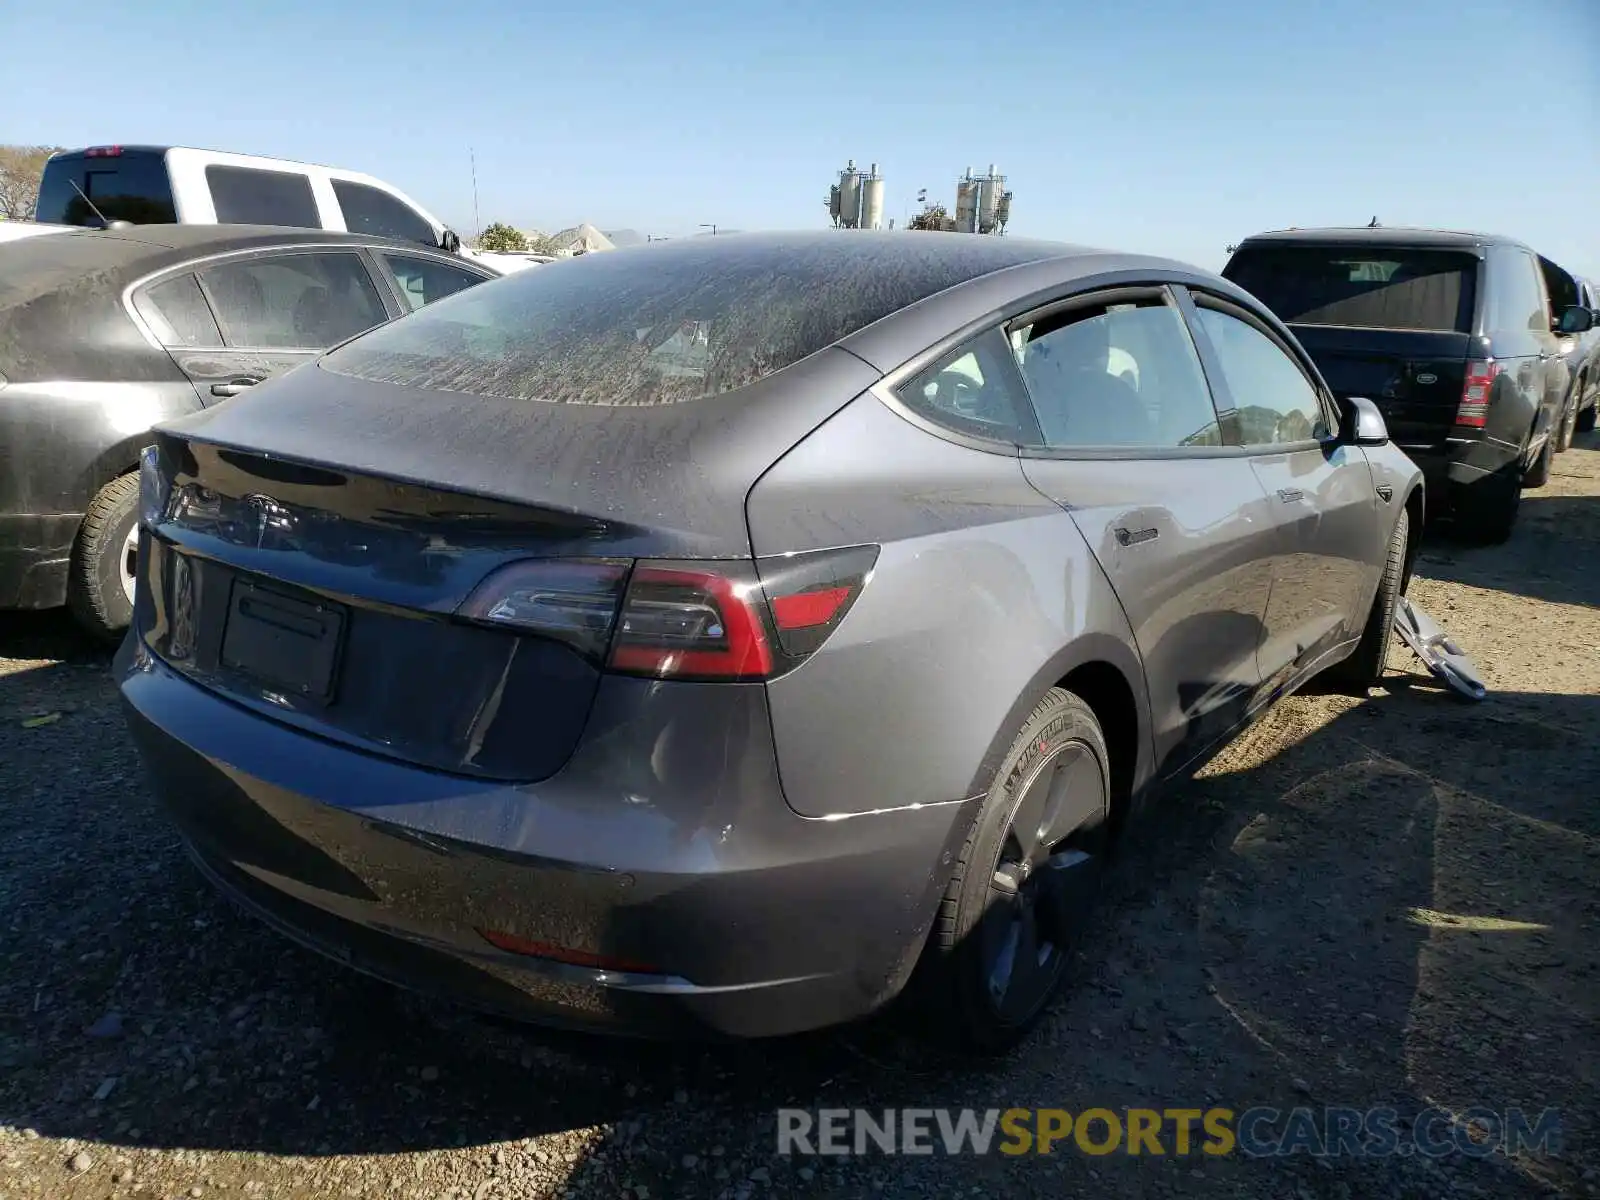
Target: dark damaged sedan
point(728, 635)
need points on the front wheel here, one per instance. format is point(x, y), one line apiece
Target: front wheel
point(1023, 885)
point(1365, 667)
point(104, 558)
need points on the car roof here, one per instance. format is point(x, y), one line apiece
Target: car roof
point(1383, 235)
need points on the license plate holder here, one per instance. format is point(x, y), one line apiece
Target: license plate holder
point(285, 643)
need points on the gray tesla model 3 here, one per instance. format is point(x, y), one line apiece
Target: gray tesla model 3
point(728, 635)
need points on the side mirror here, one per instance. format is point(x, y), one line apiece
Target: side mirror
point(1575, 319)
point(450, 241)
point(1361, 423)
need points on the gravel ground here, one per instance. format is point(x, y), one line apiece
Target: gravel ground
point(1301, 924)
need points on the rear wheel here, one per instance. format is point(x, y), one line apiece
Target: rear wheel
point(1569, 420)
point(1024, 884)
point(1585, 421)
point(100, 582)
point(1364, 668)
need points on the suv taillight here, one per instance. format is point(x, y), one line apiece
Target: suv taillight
point(680, 620)
point(1474, 409)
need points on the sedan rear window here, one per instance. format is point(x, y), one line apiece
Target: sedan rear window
point(1376, 287)
point(662, 324)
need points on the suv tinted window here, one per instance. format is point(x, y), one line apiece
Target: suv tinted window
point(1378, 287)
point(1120, 374)
point(973, 390)
point(662, 325)
point(247, 196)
point(1516, 294)
point(368, 210)
point(177, 313)
point(294, 301)
point(126, 187)
point(1277, 403)
point(424, 280)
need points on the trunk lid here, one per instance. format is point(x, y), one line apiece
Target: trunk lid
point(1415, 377)
point(321, 533)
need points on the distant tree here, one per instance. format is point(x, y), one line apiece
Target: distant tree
point(932, 216)
point(20, 170)
point(502, 239)
point(541, 244)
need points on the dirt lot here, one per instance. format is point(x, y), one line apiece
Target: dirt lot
point(1385, 902)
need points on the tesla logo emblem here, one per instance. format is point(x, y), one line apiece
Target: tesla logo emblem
point(269, 514)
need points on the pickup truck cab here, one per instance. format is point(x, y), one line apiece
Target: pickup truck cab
point(1451, 334)
point(167, 185)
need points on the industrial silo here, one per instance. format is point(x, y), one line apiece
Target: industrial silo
point(872, 199)
point(989, 190)
point(850, 196)
point(967, 203)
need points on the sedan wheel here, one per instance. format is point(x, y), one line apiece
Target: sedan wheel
point(1021, 893)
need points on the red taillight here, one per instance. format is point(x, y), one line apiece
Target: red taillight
point(103, 152)
point(680, 620)
point(1474, 409)
point(691, 623)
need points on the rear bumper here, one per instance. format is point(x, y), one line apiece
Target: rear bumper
point(665, 847)
point(34, 553)
point(1460, 463)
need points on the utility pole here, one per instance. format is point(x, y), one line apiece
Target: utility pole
point(477, 224)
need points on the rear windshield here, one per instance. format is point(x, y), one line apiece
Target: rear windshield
point(662, 324)
point(1378, 287)
point(131, 186)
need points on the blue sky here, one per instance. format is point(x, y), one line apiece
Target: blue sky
point(1158, 125)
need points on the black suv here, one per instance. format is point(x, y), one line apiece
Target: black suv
point(103, 334)
point(1450, 334)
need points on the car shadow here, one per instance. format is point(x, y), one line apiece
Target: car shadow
point(1356, 902)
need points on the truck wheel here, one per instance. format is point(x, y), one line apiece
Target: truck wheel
point(100, 582)
point(1569, 420)
point(1585, 421)
point(1486, 510)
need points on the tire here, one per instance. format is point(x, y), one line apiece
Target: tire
point(1539, 473)
point(1486, 511)
point(96, 592)
point(1060, 750)
point(1365, 666)
point(1569, 420)
point(1585, 421)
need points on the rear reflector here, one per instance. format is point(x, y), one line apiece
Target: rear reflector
point(1475, 393)
point(722, 620)
point(574, 958)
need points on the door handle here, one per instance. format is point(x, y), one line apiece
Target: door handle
point(1290, 495)
point(233, 387)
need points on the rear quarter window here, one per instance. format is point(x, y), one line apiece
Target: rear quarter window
point(658, 325)
point(1371, 287)
point(130, 187)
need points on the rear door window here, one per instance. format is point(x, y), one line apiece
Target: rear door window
point(306, 301)
point(424, 280)
point(1377, 287)
point(1121, 373)
point(370, 210)
point(178, 314)
point(250, 196)
point(130, 186)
